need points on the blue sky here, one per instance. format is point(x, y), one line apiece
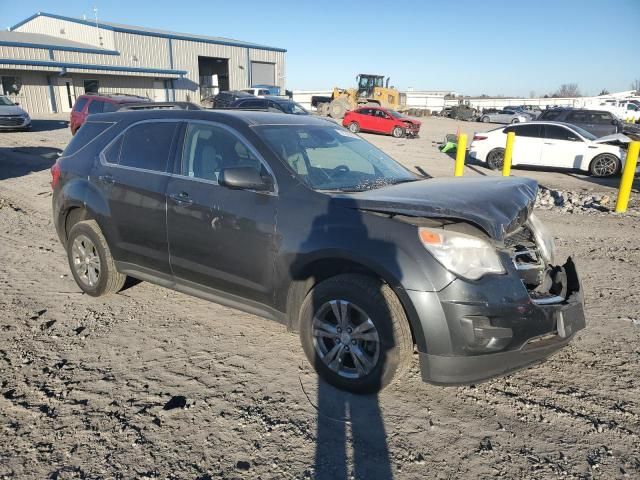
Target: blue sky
point(472, 47)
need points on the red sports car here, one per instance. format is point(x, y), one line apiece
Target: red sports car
point(381, 120)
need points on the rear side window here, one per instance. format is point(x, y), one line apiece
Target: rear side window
point(530, 130)
point(550, 115)
point(88, 132)
point(112, 153)
point(110, 107)
point(96, 106)
point(80, 104)
point(147, 145)
point(253, 104)
point(578, 117)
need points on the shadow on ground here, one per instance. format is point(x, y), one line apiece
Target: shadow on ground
point(20, 161)
point(46, 125)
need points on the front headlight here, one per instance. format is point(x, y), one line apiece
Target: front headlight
point(464, 255)
point(544, 239)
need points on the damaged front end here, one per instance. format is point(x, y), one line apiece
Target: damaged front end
point(502, 321)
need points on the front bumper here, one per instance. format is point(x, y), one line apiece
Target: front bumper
point(14, 122)
point(475, 319)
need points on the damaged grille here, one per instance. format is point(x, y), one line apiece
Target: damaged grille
point(546, 284)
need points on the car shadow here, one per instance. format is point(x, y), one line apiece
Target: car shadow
point(351, 440)
point(45, 125)
point(20, 161)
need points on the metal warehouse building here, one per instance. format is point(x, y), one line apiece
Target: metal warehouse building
point(47, 60)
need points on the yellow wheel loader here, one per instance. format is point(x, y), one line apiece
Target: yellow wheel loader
point(371, 90)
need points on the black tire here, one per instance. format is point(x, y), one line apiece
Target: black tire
point(397, 132)
point(354, 127)
point(495, 159)
point(515, 120)
point(605, 165)
point(108, 280)
point(381, 306)
point(484, 119)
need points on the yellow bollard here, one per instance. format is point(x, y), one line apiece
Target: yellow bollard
point(627, 177)
point(508, 152)
point(461, 153)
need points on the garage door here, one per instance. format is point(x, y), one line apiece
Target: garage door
point(263, 73)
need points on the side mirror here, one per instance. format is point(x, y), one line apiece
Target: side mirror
point(243, 178)
point(614, 122)
point(16, 103)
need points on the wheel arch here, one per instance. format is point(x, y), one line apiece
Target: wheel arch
point(321, 269)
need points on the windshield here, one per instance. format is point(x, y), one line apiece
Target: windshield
point(332, 158)
point(395, 114)
point(4, 101)
point(294, 108)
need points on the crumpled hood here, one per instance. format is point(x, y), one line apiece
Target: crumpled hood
point(497, 205)
point(616, 137)
point(11, 110)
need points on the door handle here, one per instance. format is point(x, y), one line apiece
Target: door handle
point(181, 198)
point(108, 179)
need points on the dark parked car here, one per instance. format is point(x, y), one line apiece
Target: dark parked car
point(275, 104)
point(597, 122)
point(91, 103)
point(224, 99)
point(298, 220)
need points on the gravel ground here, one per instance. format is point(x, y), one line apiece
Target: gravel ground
point(151, 383)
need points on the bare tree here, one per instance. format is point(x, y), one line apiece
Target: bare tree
point(568, 90)
point(604, 91)
point(635, 85)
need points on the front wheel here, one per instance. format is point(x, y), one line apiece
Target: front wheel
point(605, 165)
point(397, 132)
point(515, 120)
point(90, 259)
point(355, 333)
point(484, 119)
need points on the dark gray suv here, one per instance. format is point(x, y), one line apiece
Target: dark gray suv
point(298, 220)
point(597, 122)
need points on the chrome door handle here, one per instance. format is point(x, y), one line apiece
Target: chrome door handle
point(181, 198)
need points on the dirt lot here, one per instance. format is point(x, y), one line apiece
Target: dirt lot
point(88, 386)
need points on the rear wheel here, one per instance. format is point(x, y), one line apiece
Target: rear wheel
point(397, 132)
point(355, 333)
point(92, 265)
point(495, 159)
point(354, 127)
point(484, 119)
point(604, 165)
point(515, 120)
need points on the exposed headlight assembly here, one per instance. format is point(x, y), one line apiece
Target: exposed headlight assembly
point(544, 239)
point(464, 255)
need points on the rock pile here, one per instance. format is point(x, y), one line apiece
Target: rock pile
point(574, 202)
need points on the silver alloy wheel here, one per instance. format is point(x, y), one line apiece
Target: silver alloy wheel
point(485, 119)
point(495, 160)
point(345, 339)
point(397, 132)
point(605, 165)
point(353, 127)
point(86, 260)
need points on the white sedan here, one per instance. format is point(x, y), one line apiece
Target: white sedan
point(552, 144)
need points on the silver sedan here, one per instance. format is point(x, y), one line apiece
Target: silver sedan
point(505, 116)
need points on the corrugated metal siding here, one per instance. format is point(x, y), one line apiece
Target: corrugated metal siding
point(113, 84)
point(72, 30)
point(22, 53)
point(185, 57)
point(151, 52)
point(34, 95)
